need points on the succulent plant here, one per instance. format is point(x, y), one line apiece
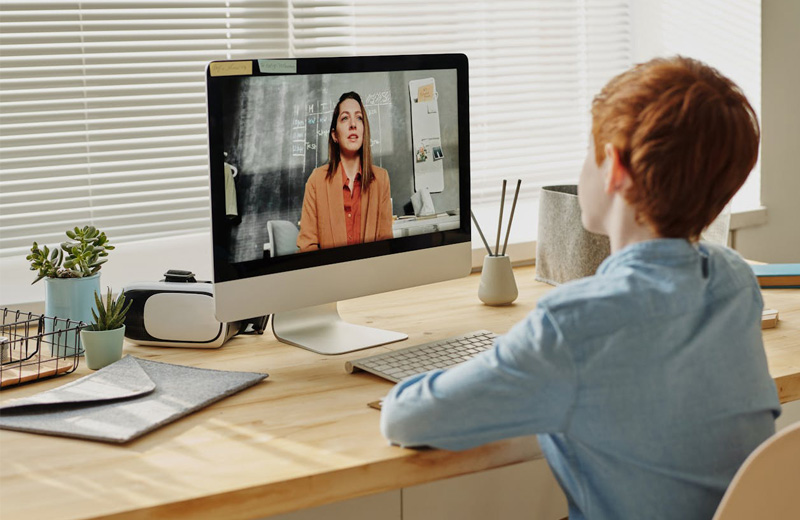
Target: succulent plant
point(110, 314)
point(82, 255)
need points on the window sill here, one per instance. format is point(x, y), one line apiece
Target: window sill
point(524, 252)
point(749, 218)
point(148, 260)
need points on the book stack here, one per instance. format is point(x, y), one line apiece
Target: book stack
point(777, 276)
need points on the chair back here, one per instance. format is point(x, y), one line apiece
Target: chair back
point(282, 237)
point(768, 483)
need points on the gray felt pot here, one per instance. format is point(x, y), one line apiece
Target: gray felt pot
point(565, 250)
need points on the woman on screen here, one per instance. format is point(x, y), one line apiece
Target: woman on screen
point(348, 200)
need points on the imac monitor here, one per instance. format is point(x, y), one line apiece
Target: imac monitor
point(333, 178)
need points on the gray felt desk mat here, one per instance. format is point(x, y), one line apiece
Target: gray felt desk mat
point(123, 401)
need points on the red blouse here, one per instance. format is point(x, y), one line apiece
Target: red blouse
point(352, 208)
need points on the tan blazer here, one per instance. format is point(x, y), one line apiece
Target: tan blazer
point(322, 223)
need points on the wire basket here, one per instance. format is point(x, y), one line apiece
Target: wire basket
point(37, 347)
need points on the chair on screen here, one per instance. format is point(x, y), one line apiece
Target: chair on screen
point(282, 236)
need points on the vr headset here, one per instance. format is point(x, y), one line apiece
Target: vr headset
point(178, 311)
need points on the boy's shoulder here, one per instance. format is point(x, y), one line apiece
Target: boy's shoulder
point(589, 291)
point(731, 275)
point(593, 304)
point(604, 303)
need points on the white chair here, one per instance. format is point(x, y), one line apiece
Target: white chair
point(282, 237)
point(768, 483)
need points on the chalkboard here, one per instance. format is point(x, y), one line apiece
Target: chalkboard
point(276, 132)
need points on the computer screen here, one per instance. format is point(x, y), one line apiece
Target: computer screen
point(333, 178)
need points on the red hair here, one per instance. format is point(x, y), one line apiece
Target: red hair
point(687, 135)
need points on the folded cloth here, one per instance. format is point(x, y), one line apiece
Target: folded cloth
point(123, 400)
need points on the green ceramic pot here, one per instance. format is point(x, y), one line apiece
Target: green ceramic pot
point(102, 347)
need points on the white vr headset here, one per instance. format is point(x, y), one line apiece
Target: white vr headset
point(179, 312)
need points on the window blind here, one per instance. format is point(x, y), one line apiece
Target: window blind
point(102, 103)
point(534, 68)
point(102, 111)
point(726, 34)
point(102, 107)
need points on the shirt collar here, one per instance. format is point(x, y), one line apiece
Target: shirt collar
point(345, 179)
point(661, 251)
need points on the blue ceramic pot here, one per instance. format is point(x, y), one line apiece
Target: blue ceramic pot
point(68, 299)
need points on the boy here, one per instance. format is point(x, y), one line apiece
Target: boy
point(647, 383)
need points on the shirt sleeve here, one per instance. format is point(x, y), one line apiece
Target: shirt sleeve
point(526, 384)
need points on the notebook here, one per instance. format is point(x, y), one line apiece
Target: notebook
point(773, 276)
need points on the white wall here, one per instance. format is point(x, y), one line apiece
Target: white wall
point(779, 239)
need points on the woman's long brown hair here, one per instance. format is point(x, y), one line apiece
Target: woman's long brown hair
point(366, 151)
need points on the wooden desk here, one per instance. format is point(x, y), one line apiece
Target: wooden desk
point(304, 437)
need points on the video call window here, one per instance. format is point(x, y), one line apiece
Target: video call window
point(323, 161)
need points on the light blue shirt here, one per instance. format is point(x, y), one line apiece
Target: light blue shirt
point(647, 384)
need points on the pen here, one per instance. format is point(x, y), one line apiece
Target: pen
point(511, 217)
point(500, 220)
point(478, 227)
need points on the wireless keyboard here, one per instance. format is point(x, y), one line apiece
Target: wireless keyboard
point(399, 364)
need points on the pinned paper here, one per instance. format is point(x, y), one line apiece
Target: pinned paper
point(425, 93)
point(231, 68)
point(277, 66)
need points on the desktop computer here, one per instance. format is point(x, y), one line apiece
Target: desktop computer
point(333, 178)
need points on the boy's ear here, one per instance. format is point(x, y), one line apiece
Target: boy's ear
point(618, 178)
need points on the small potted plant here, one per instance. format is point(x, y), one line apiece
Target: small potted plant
point(102, 340)
point(71, 276)
point(79, 257)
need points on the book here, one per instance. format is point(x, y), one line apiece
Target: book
point(774, 276)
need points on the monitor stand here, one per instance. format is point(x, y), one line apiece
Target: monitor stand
point(320, 329)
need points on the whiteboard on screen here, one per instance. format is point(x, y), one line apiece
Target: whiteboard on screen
point(426, 135)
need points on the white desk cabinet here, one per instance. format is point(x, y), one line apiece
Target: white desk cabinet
point(522, 491)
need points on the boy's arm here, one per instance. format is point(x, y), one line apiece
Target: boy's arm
point(526, 384)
